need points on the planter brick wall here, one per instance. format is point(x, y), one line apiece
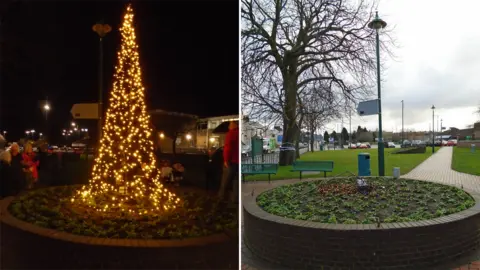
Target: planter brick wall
point(309, 245)
point(27, 246)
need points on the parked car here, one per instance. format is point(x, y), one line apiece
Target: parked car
point(363, 146)
point(390, 145)
point(352, 146)
point(245, 150)
point(452, 143)
point(406, 144)
point(368, 145)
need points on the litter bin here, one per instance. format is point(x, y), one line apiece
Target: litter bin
point(472, 148)
point(321, 147)
point(364, 164)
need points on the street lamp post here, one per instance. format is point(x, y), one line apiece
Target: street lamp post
point(377, 24)
point(102, 30)
point(46, 108)
point(402, 122)
point(433, 128)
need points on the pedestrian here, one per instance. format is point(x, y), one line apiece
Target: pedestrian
point(230, 162)
point(272, 144)
point(31, 162)
point(5, 174)
point(17, 175)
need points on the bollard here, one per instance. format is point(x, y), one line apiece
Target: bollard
point(472, 148)
point(396, 172)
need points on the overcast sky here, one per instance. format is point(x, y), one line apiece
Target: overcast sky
point(437, 62)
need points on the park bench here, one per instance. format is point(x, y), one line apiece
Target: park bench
point(312, 166)
point(253, 169)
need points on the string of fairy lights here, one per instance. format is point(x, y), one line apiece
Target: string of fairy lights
point(124, 170)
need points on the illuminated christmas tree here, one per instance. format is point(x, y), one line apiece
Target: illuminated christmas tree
point(125, 176)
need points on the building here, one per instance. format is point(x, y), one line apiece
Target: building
point(190, 132)
point(205, 135)
point(476, 131)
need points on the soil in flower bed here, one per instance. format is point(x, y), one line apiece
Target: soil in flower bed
point(197, 215)
point(338, 201)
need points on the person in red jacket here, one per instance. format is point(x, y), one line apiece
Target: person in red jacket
point(230, 161)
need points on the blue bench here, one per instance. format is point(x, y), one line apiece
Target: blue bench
point(253, 169)
point(312, 166)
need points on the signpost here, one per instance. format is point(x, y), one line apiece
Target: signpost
point(369, 107)
point(85, 111)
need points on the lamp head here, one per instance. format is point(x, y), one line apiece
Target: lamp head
point(433, 107)
point(377, 23)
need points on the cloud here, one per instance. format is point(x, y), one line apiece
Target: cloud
point(437, 64)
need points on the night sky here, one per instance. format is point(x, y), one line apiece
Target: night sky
point(188, 54)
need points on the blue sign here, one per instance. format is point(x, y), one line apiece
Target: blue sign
point(279, 138)
point(331, 140)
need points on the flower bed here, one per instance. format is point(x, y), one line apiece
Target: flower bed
point(338, 201)
point(197, 215)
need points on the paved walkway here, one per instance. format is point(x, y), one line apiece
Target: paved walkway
point(436, 168)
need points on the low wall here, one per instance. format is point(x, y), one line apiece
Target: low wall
point(27, 246)
point(298, 244)
point(467, 144)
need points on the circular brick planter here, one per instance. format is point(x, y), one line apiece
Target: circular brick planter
point(50, 249)
point(298, 244)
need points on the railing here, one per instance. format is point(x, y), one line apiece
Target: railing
point(266, 157)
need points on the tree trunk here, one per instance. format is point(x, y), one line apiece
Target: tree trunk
point(312, 137)
point(289, 131)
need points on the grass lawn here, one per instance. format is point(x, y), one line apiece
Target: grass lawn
point(347, 160)
point(465, 161)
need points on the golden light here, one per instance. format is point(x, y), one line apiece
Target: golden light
point(162, 135)
point(124, 173)
point(188, 136)
point(212, 140)
point(101, 29)
point(46, 107)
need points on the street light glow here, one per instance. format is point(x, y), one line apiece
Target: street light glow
point(189, 137)
point(32, 131)
point(46, 107)
point(73, 124)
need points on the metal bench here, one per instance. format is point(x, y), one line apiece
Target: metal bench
point(312, 166)
point(253, 169)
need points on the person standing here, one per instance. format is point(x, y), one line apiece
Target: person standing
point(32, 163)
point(16, 174)
point(5, 174)
point(272, 144)
point(230, 162)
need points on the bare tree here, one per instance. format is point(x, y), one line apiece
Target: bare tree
point(289, 44)
point(318, 107)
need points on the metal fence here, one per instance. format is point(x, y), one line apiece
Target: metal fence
point(266, 157)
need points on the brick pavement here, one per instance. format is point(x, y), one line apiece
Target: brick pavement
point(436, 168)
